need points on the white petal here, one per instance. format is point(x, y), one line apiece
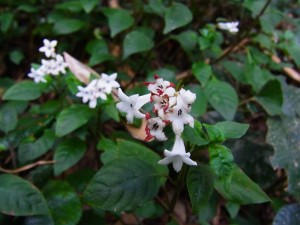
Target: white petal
point(165, 161)
point(93, 103)
point(129, 117)
point(142, 100)
point(122, 96)
point(123, 107)
point(188, 161)
point(177, 126)
point(177, 164)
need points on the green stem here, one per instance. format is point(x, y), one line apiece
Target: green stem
point(179, 186)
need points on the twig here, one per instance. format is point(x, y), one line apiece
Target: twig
point(27, 167)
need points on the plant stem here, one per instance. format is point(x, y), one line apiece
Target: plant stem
point(179, 186)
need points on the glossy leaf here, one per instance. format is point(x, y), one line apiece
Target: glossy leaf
point(270, 97)
point(177, 15)
point(8, 118)
point(19, 197)
point(215, 135)
point(68, 153)
point(232, 129)
point(222, 97)
point(202, 72)
point(200, 185)
point(242, 189)
point(195, 135)
point(122, 184)
point(63, 202)
point(187, 40)
point(135, 42)
point(118, 20)
point(89, 5)
point(24, 91)
point(72, 118)
point(68, 26)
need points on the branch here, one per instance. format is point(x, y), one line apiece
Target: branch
point(27, 167)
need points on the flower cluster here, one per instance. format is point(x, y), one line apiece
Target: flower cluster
point(170, 107)
point(53, 65)
point(98, 88)
point(232, 27)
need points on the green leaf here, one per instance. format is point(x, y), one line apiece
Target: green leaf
point(242, 189)
point(200, 184)
point(99, 52)
point(136, 41)
point(215, 135)
point(202, 72)
point(63, 203)
point(8, 118)
point(200, 104)
point(80, 179)
point(6, 19)
point(68, 153)
point(24, 91)
point(232, 129)
point(283, 135)
point(68, 26)
point(112, 112)
point(195, 135)
point(187, 40)
point(177, 15)
point(256, 76)
point(221, 161)
point(72, 118)
point(222, 97)
point(156, 6)
point(271, 97)
point(236, 69)
point(288, 215)
point(16, 56)
point(18, 197)
point(232, 208)
point(122, 184)
point(118, 20)
point(32, 150)
point(89, 5)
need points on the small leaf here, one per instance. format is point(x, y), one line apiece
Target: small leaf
point(8, 118)
point(99, 52)
point(136, 41)
point(236, 69)
point(232, 129)
point(242, 189)
point(68, 26)
point(271, 97)
point(202, 72)
point(215, 135)
point(288, 215)
point(6, 19)
point(200, 105)
point(176, 16)
point(88, 6)
point(232, 208)
point(122, 184)
point(195, 135)
point(118, 20)
point(187, 40)
point(63, 202)
point(16, 56)
point(72, 118)
point(18, 197)
point(200, 185)
point(68, 153)
point(222, 97)
point(112, 112)
point(24, 91)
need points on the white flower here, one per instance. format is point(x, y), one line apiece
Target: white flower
point(232, 27)
point(132, 104)
point(160, 87)
point(162, 103)
point(60, 64)
point(177, 156)
point(179, 117)
point(186, 98)
point(154, 129)
point(110, 82)
point(48, 48)
point(37, 75)
point(49, 67)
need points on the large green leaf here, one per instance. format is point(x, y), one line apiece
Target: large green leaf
point(8, 118)
point(242, 189)
point(68, 26)
point(200, 184)
point(222, 97)
point(271, 97)
point(283, 135)
point(118, 20)
point(177, 15)
point(288, 215)
point(32, 150)
point(202, 72)
point(72, 118)
point(24, 91)
point(122, 184)
point(63, 202)
point(68, 153)
point(232, 129)
point(19, 197)
point(136, 41)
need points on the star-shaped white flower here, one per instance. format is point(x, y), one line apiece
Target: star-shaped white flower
point(48, 48)
point(160, 87)
point(186, 98)
point(132, 104)
point(232, 27)
point(177, 156)
point(49, 67)
point(154, 129)
point(37, 75)
point(110, 82)
point(162, 103)
point(60, 64)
